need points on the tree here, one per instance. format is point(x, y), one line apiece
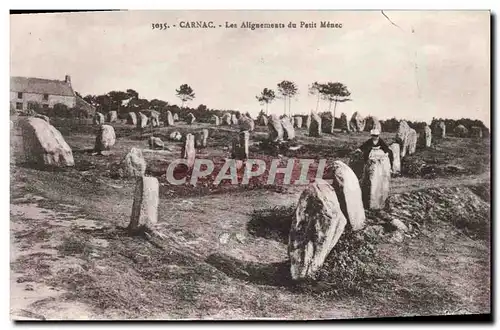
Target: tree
point(334, 92)
point(202, 107)
point(158, 105)
point(314, 89)
point(287, 89)
point(185, 93)
point(266, 96)
point(132, 94)
point(103, 103)
point(117, 98)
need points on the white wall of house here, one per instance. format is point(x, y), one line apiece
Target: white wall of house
point(69, 101)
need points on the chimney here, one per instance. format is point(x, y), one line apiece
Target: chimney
point(67, 80)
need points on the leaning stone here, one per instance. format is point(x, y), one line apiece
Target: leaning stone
point(105, 139)
point(189, 151)
point(348, 191)
point(288, 130)
point(308, 122)
point(275, 129)
point(169, 119)
point(226, 119)
point(316, 229)
point(176, 117)
point(215, 120)
point(262, 120)
point(155, 118)
point(134, 164)
point(246, 124)
point(344, 125)
point(375, 181)
point(132, 118)
point(402, 137)
point(297, 121)
point(426, 137)
point(112, 116)
point(372, 122)
point(98, 118)
point(357, 122)
point(315, 125)
point(396, 163)
point(156, 143)
point(412, 141)
point(461, 131)
point(190, 118)
point(145, 206)
point(43, 144)
point(234, 120)
point(142, 120)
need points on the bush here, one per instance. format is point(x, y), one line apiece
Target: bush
point(61, 110)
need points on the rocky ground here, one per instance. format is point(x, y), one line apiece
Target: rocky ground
point(224, 251)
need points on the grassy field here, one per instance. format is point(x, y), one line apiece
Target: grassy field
point(224, 252)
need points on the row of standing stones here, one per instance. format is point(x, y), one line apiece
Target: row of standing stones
point(323, 210)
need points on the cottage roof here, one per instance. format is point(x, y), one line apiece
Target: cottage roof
point(40, 86)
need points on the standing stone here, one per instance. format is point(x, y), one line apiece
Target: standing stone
point(244, 144)
point(175, 136)
point(344, 125)
point(132, 118)
point(43, 144)
point(226, 119)
point(189, 151)
point(112, 116)
point(44, 117)
point(348, 191)
point(246, 124)
point(316, 229)
point(155, 118)
point(105, 139)
point(190, 118)
point(372, 122)
point(134, 164)
point(288, 130)
point(315, 125)
point(201, 138)
point(402, 137)
point(234, 120)
point(98, 118)
point(145, 205)
point(169, 119)
point(412, 141)
point(375, 181)
point(142, 120)
point(308, 122)
point(476, 132)
point(215, 120)
point(176, 117)
point(275, 129)
point(427, 136)
point(262, 120)
point(396, 163)
point(297, 121)
point(357, 122)
point(461, 131)
point(155, 143)
point(442, 129)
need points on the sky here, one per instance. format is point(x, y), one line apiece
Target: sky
point(427, 64)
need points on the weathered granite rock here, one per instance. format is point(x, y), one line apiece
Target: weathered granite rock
point(156, 143)
point(190, 119)
point(133, 164)
point(189, 151)
point(288, 130)
point(275, 129)
point(297, 121)
point(105, 138)
point(348, 192)
point(169, 119)
point(142, 120)
point(357, 123)
point(43, 144)
point(316, 228)
point(98, 118)
point(112, 116)
point(132, 118)
point(376, 180)
point(396, 163)
point(315, 125)
point(145, 205)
